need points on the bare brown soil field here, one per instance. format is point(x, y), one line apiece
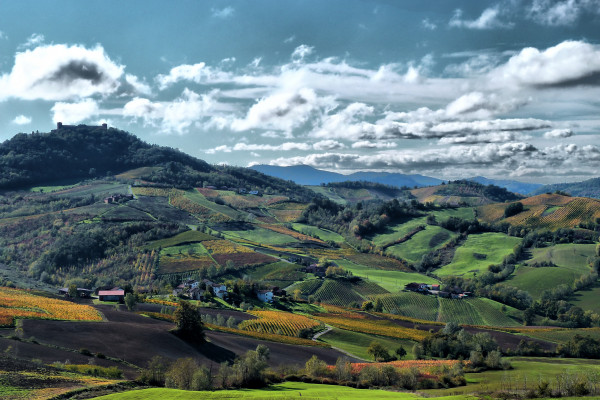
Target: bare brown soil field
point(137, 339)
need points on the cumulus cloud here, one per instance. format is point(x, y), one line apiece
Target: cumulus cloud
point(287, 146)
point(199, 73)
point(557, 13)
point(137, 85)
point(283, 111)
point(172, 117)
point(32, 41)
point(489, 19)
point(21, 120)
point(223, 12)
point(73, 113)
point(365, 144)
point(60, 72)
point(301, 52)
point(485, 155)
point(558, 134)
point(427, 24)
point(569, 63)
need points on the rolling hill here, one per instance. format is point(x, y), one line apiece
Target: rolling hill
point(463, 192)
point(587, 188)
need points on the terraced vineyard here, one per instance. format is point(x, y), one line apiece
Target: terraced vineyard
point(413, 305)
point(473, 311)
point(278, 322)
point(337, 293)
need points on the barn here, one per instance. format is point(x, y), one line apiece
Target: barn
point(112, 295)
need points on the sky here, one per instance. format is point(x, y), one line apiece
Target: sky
point(445, 88)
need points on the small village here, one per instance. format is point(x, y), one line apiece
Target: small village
point(434, 289)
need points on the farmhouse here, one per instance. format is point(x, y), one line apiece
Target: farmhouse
point(315, 269)
point(416, 287)
point(265, 296)
point(118, 198)
point(115, 294)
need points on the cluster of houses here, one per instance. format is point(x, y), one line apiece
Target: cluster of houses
point(104, 294)
point(193, 289)
point(316, 269)
point(118, 198)
point(435, 289)
point(238, 190)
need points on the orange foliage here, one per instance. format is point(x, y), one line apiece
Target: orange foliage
point(16, 303)
point(277, 321)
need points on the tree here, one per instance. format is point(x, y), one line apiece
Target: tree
point(188, 321)
point(378, 305)
point(400, 352)
point(181, 373)
point(130, 301)
point(72, 290)
point(378, 352)
point(315, 367)
point(513, 209)
point(367, 305)
point(297, 294)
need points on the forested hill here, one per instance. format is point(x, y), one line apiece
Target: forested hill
point(83, 152)
point(80, 152)
point(587, 188)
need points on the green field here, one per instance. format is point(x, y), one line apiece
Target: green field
point(50, 189)
point(462, 212)
point(197, 197)
point(398, 231)
point(189, 249)
point(357, 343)
point(425, 241)
point(281, 271)
point(182, 238)
point(473, 311)
point(588, 299)
point(287, 390)
point(563, 335)
point(261, 235)
point(526, 372)
point(329, 193)
point(393, 281)
point(493, 246)
point(571, 261)
point(322, 234)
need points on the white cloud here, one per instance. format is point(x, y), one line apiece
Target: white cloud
point(199, 73)
point(558, 134)
point(559, 13)
point(328, 145)
point(301, 52)
point(73, 113)
point(489, 19)
point(485, 155)
point(3, 35)
point(32, 41)
point(177, 116)
point(365, 144)
point(289, 39)
point(137, 85)
point(427, 24)
point(21, 120)
point(223, 12)
point(60, 72)
point(283, 111)
point(569, 63)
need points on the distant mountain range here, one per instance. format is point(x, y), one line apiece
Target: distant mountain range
point(306, 175)
point(587, 188)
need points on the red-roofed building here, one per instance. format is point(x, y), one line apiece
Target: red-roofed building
point(112, 295)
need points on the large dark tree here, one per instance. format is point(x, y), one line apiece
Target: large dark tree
point(188, 321)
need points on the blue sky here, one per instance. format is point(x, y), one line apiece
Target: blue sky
point(505, 89)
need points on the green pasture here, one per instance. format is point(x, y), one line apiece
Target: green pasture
point(197, 197)
point(182, 238)
point(286, 390)
point(357, 343)
point(526, 373)
point(189, 249)
point(461, 212)
point(322, 234)
point(98, 189)
point(329, 193)
point(572, 256)
point(587, 299)
point(494, 246)
point(571, 262)
point(563, 335)
point(425, 241)
point(50, 189)
point(261, 235)
point(393, 281)
point(398, 231)
point(281, 270)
